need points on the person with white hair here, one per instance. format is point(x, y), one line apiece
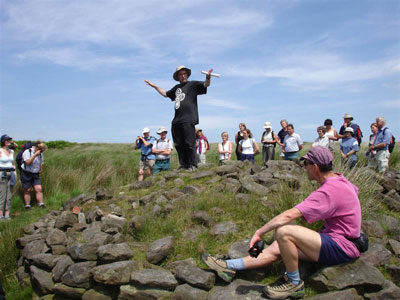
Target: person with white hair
point(268, 140)
point(381, 145)
point(349, 148)
point(186, 116)
point(162, 148)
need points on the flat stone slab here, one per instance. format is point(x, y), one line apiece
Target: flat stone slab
point(238, 290)
point(154, 278)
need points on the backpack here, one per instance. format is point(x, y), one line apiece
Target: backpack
point(19, 161)
point(392, 142)
point(357, 133)
point(272, 132)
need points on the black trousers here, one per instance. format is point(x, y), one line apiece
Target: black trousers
point(184, 136)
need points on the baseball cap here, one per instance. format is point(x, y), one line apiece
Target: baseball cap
point(145, 130)
point(320, 156)
point(5, 137)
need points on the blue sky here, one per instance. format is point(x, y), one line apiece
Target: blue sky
point(75, 70)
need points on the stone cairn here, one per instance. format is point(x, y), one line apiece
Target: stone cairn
point(68, 254)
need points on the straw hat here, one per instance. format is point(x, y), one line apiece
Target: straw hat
point(175, 76)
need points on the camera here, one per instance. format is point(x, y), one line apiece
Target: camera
point(12, 146)
point(257, 249)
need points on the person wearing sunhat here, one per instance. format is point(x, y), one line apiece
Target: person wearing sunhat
point(7, 175)
point(349, 148)
point(348, 122)
point(186, 116)
point(335, 202)
point(268, 140)
point(145, 144)
point(162, 148)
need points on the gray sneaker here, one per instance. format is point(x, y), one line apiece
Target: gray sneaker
point(284, 288)
point(219, 266)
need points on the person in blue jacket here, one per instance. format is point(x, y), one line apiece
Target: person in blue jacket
point(147, 159)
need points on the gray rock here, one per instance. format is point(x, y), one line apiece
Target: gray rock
point(65, 220)
point(239, 249)
point(203, 218)
point(45, 261)
point(114, 252)
point(56, 237)
point(81, 252)
point(104, 194)
point(238, 289)
point(395, 245)
point(94, 235)
point(390, 292)
point(157, 210)
point(172, 265)
point(137, 185)
point(372, 228)
point(377, 255)
point(290, 179)
point(41, 280)
point(116, 273)
point(94, 214)
point(280, 164)
point(62, 265)
point(242, 198)
point(112, 221)
point(192, 189)
point(226, 169)
point(23, 276)
point(161, 200)
point(137, 222)
point(203, 174)
point(129, 292)
point(224, 228)
point(349, 294)
point(118, 238)
point(154, 278)
point(78, 275)
point(22, 242)
point(390, 222)
point(186, 292)
point(213, 180)
point(249, 185)
point(67, 292)
point(353, 274)
point(231, 185)
point(101, 293)
point(394, 272)
point(160, 249)
point(58, 250)
point(178, 182)
point(33, 248)
point(75, 201)
point(195, 276)
point(392, 200)
point(29, 229)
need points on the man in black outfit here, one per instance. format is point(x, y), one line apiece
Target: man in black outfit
point(186, 113)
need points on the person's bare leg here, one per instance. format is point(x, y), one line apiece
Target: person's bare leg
point(39, 193)
point(291, 239)
point(140, 177)
point(266, 257)
point(27, 196)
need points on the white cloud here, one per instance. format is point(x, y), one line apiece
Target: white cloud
point(224, 104)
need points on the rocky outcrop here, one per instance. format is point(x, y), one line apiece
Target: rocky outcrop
point(92, 255)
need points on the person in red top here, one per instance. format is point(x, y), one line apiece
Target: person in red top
point(335, 202)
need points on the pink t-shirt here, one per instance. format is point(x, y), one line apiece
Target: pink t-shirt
point(336, 202)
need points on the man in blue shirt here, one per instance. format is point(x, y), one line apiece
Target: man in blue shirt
point(145, 143)
point(381, 145)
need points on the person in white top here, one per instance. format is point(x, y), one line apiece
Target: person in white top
point(7, 172)
point(292, 144)
point(162, 148)
point(322, 140)
point(224, 148)
point(370, 154)
point(331, 134)
point(248, 147)
point(31, 167)
point(201, 146)
point(268, 140)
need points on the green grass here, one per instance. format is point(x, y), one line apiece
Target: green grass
point(71, 169)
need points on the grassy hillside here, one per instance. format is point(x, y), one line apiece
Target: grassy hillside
point(72, 169)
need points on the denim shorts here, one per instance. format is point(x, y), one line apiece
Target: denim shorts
point(249, 157)
point(331, 253)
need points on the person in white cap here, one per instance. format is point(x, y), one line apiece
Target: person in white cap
point(349, 148)
point(145, 143)
point(268, 140)
point(186, 117)
point(348, 122)
point(162, 149)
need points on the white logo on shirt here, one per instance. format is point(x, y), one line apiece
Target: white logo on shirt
point(179, 96)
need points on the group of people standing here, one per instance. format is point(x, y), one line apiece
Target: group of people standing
point(30, 165)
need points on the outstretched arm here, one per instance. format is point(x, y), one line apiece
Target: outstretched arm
point(208, 78)
point(161, 91)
